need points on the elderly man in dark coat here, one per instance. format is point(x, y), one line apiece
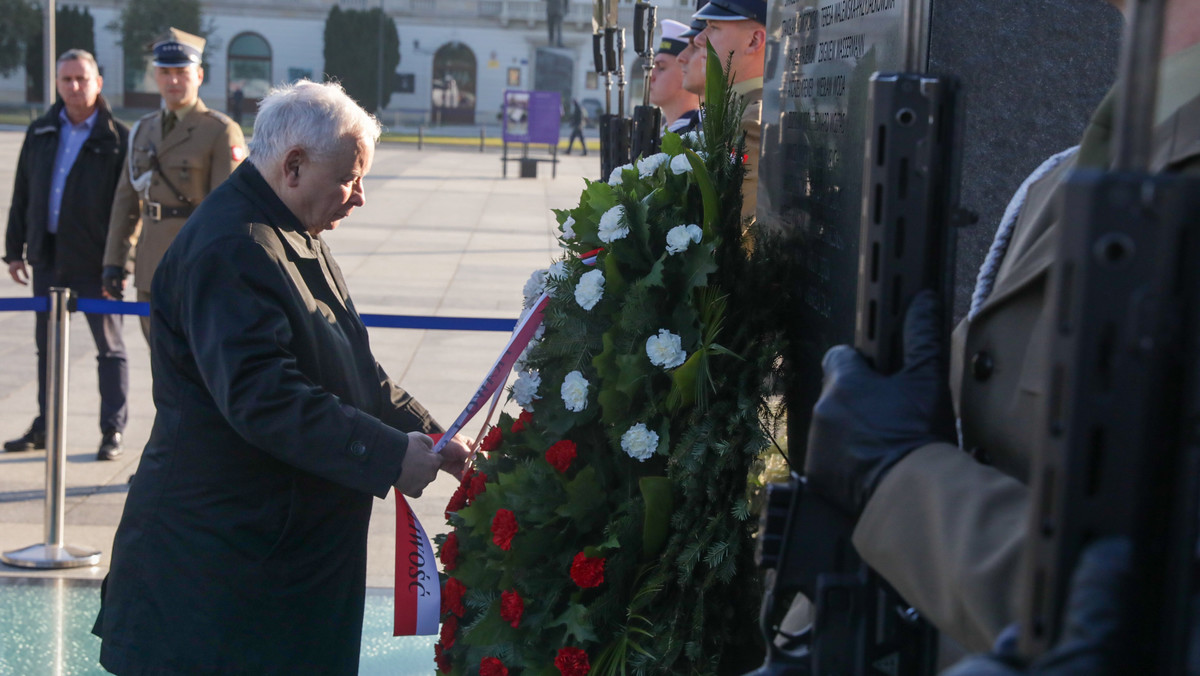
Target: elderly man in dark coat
point(242, 548)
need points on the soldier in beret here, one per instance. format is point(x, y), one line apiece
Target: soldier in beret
point(176, 156)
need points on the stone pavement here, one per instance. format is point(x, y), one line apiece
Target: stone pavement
point(441, 234)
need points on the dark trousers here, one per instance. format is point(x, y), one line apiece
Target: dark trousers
point(112, 368)
point(577, 131)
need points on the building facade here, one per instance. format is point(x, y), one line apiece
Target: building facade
point(457, 57)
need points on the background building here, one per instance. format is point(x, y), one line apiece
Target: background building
point(456, 56)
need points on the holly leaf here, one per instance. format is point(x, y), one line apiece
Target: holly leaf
point(576, 620)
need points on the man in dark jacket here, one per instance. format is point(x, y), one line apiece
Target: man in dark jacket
point(243, 544)
point(66, 176)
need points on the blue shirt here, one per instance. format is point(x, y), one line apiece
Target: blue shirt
point(70, 140)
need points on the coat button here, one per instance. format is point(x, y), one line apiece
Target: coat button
point(982, 366)
point(358, 449)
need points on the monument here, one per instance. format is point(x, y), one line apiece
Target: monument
point(1032, 72)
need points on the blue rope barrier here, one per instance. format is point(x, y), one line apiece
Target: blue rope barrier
point(118, 307)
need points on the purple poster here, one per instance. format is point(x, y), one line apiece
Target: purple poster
point(531, 117)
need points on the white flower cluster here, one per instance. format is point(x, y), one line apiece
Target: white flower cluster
point(639, 442)
point(648, 165)
point(590, 289)
point(534, 287)
point(680, 164)
point(522, 362)
point(612, 225)
point(680, 237)
point(574, 391)
point(665, 350)
point(694, 138)
point(558, 270)
point(615, 177)
point(525, 389)
point(568, 228)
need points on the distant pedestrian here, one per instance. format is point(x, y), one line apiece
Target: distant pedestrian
point(66, 175)
point(576, 127)
point(235, 105)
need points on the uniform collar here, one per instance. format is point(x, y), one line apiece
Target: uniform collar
point(746, 86)
point(1178, 82)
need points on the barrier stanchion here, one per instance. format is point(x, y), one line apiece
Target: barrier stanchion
point(53, 553)
point(481, 137)
point(420, 136)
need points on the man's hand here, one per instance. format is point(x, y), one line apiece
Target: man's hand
point(112, 282)
point(420, 465)
point(865, 422)
point(18, 272)
point(456, 454)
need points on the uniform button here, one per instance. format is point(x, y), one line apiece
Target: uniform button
point(982, 366)
point(981, 456)
point(358, 449)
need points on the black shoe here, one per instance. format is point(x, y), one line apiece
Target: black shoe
point(110, 446)
point(32, 440)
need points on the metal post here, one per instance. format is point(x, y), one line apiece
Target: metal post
point(53, 553)
point(50, 72)
point(420, 136)
point(481, 139)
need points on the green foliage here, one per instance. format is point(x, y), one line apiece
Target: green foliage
point(352, 53)
point(74, 28)
point(20, 24)
point(674, 526)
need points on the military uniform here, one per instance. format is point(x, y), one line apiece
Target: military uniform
point(164, 179)
point(947, 527)
point(751, 91)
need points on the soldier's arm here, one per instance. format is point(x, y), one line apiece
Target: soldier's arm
point(954, 551)
point(124, 224)
point(229, 149)
point(15, 237)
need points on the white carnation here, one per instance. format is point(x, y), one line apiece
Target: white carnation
point(612, 225)
point(541, 331)
point(525, 389)
point(665, 349)
point(680, 164)
point(648, 165)
point(680, 237)
point(568, 228)
point(615, 177)
point(558, 270)
point(574, 391)
point(590, 289)
point(639, 442)
point(534, 287)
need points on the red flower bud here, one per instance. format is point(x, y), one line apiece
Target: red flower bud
point(441, 659)
point(522, 420)
point(504, 527)
point(491, 441)
point(491, 666)
point(561, 454)
point(452, 596)
point(512, 606)
point(449, 554)
point(449, 632)
point(587, 572)
point(476, 484)
point(572, 661)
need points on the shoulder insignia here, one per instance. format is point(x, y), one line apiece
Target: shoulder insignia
point(238, 153)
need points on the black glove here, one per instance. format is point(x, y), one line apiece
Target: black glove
point(865, 422)
point(113, 281)
point(1090, 637)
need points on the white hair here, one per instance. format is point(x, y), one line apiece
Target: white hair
point(316, 117)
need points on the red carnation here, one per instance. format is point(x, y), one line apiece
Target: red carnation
point(586, 571)
point(457, 501)
point(449, 629)
point(441, 659)
point(504, 527)
point(512, 606)
point(452, 596)
point(522, 420)
point(572, 661)
point(476, 484)
point(491, 666)
point(491, 441)
point(449, 553)
point(561, 454)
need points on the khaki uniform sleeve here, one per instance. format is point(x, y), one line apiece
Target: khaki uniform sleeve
point(752, 125)
point(124, 224)
point(223, 162)
point(948, 533)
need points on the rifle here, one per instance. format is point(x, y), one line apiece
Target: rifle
point(1119, 446)
point(910, 210)
point(647, 119)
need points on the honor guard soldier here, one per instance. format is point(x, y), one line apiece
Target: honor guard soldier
point(176, 156)
point(680, 108)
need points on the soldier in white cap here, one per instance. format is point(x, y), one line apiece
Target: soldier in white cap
point(177, 155)
point(680, 108)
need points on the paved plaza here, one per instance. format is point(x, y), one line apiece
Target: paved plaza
point(441, 234)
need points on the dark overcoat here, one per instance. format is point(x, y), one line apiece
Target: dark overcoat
point(242, 548)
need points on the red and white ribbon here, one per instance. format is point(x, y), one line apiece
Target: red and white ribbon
point(418, 590)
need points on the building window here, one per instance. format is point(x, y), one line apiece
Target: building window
point(249, 70)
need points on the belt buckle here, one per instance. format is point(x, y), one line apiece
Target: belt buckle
point(154, 210)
